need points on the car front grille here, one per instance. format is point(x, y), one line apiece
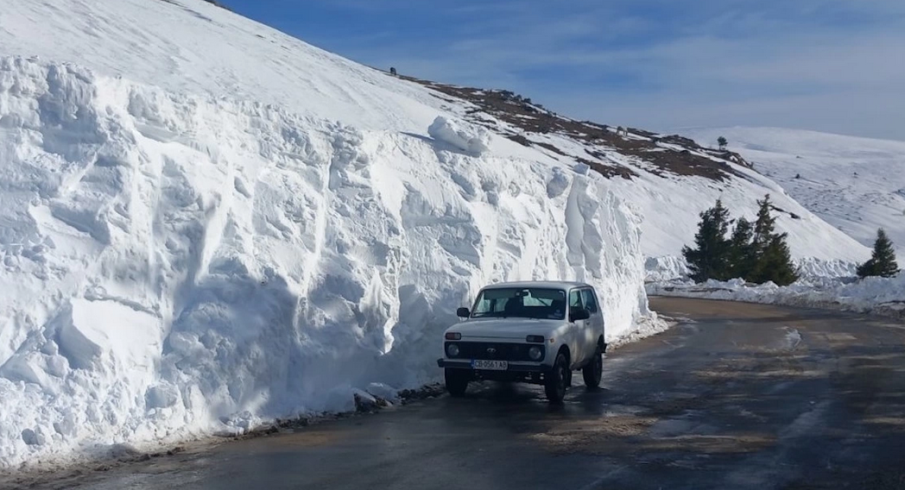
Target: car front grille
point(495, 351)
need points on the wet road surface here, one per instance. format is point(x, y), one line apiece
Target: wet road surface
point(735, 396)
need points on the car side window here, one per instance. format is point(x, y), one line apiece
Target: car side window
point(575, 299)
point(589, 300)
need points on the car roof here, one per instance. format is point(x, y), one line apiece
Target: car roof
point(538, 284)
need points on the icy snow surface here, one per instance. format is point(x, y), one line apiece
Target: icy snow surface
point(242, 227)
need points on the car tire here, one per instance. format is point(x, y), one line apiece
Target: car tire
point(556, 380)
point(593, 371)
point(456, 381)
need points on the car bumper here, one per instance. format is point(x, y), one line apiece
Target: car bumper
point(514, 366)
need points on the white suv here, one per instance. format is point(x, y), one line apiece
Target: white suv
point(531, 332)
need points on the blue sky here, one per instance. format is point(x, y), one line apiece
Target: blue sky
point(826, 65)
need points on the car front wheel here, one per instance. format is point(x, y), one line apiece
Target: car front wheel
point(456, 381)
point(555, 382)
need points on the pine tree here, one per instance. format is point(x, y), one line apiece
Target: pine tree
point(771, 256)
point(709, 260)
point(776, 263)
point(883, 259)
point(722, 142)
point(764, 226)
point(741, 252)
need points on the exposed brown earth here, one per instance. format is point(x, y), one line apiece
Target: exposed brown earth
point(661, 155)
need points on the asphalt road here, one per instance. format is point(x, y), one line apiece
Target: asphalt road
point(736, 396)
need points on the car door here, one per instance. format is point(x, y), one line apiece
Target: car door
point(595, 323)
point(577, 329)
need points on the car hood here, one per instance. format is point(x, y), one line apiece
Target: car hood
point(507, 328)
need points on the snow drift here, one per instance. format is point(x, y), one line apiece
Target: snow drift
point(180, 264)
point(875, 295)
point(670, 268)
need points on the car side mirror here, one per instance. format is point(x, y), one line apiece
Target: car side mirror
point(463, 313)
point(580, 314)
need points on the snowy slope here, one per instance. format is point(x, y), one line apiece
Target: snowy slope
point(194, 47)
point(205, 224)
point(855, 184)
point(198, 48)
point(671, 180)
point(671, 206)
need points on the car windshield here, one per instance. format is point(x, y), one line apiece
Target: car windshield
point(521, 303)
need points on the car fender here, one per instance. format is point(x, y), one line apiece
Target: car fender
point(553, 349)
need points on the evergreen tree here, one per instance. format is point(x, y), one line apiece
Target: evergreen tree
point(709, 260)
point(883, 259)
point(741, 253)
point(722, 142)
point(775, 264)
point(771, 256)
point(764, 226)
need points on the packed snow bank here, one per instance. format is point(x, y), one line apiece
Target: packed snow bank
point(872, 295)
point(812, 269)
point(670, 268)
point(468, 138)
point(665, 268)
point(177, 265)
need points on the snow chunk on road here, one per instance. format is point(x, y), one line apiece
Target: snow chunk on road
point(381, 390)
point(471, 139)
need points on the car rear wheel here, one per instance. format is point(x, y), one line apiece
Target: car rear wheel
point(593, 371)
point(456, 381)
point(556, 379)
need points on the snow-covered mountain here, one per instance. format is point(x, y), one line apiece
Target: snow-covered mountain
point(855, 184)
point(205, 223)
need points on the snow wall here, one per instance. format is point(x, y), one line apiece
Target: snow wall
point(174, 266)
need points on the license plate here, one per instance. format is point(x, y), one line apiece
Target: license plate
point(490, 365)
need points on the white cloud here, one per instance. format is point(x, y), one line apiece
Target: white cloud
point(832, 65)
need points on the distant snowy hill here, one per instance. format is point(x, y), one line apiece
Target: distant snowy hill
point(855, 184)
point(206, 224)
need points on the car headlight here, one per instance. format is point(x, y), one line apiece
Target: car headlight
point(452, 350)
point(535, 353)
